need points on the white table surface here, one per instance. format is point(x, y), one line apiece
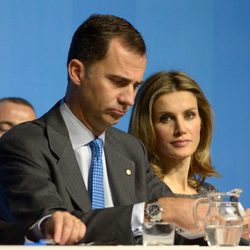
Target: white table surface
point(117, 247)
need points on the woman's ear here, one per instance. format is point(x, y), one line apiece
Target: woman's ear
point(76, 71)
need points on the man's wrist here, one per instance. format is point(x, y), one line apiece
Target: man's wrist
point(42, 222)
point(168, 208)
point(153, 211)
point(36, 232)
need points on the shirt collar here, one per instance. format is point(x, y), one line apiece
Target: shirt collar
point(79, 134)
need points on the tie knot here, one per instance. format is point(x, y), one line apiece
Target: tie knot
point(96, 147)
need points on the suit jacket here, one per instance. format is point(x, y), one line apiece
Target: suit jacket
point(12, 233)
point(39, 174)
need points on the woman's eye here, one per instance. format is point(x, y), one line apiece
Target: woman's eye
point(165, 119)
point(190, 115)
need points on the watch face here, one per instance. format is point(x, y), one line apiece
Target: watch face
point(154, 210)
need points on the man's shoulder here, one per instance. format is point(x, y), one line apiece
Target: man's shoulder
point(23, 137)
point(118, 132)
point(119, 136)
point(127, 144)
point(23, 130)
point(30, 132)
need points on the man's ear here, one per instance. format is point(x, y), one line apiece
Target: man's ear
point(76, 71)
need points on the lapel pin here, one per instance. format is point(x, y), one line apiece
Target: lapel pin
point(128, 172)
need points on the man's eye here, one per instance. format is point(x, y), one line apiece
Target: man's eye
point(118, 82)
point(5, 127)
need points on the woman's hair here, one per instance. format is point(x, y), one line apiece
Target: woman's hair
point(141, 124)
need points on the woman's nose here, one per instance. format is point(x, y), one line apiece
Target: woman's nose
point(180, 127)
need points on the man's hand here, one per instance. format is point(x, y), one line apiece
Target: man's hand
point(63, 228)
point(182, 211)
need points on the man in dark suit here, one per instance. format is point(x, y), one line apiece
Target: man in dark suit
point(44, 164)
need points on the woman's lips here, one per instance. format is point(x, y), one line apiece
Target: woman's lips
point(180, 143)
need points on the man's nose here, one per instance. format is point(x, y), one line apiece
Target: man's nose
point(128, 96)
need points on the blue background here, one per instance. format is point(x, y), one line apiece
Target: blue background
point(208, 39)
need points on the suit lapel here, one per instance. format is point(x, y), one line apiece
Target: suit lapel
point(121, 173)
point(60, 144)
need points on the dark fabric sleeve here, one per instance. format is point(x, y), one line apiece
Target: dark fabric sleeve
point(12, 233)
point(110, 226)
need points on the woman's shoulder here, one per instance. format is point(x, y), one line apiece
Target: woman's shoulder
point(206, 187)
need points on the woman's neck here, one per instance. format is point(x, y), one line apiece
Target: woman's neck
point(176, 177)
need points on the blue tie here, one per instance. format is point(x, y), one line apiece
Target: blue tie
point(95, 181)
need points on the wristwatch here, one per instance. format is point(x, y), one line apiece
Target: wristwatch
point(153, 212)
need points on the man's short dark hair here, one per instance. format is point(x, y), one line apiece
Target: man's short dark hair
point(91, 40)
point(17, 100)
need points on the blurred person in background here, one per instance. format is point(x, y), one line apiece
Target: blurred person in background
point(14, 110)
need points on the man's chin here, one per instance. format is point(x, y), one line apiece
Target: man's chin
point(114, 119)
point(114, 122)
